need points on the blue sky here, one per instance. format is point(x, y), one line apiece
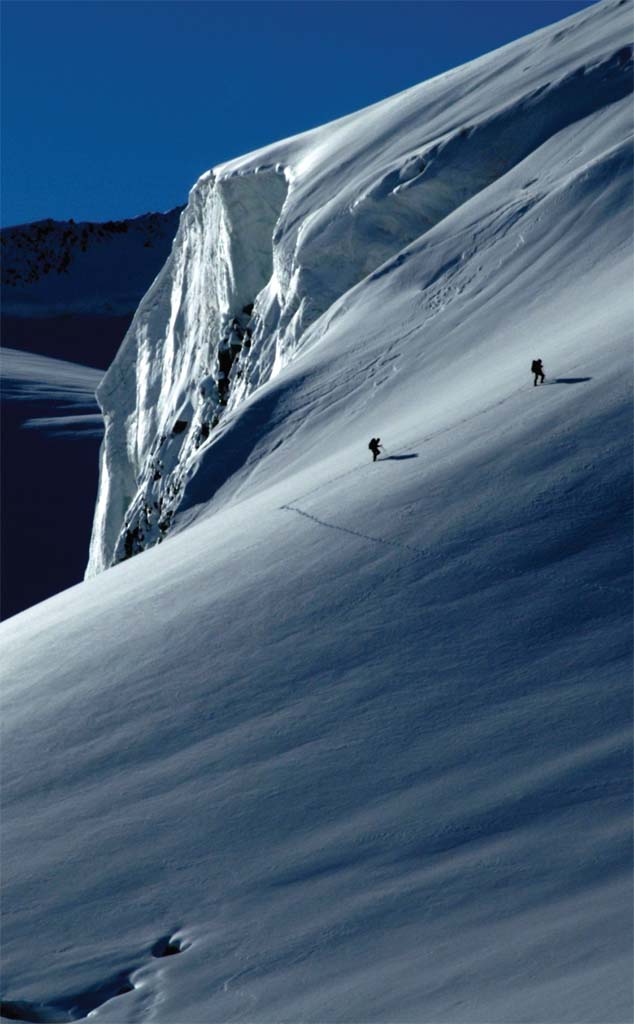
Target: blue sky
point(111, 109)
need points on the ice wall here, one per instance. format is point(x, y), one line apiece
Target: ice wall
point(186, 348)
point(269, 242)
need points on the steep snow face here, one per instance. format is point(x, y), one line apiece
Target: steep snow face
point(269, 242)
point(53, 268)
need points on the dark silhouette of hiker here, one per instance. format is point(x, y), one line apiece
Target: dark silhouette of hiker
point(537, 367)
point(375, 447)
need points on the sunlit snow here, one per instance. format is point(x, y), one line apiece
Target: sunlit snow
point(337, 740)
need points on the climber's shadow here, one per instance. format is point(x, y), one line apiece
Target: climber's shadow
point(399, 458)
point(568, 380)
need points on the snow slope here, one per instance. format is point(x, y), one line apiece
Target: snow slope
point(268, 244)
point(354, 743)
point(51, 431)
point(67, 387)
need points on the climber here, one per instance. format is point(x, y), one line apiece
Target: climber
point(375, 447)
point(537, 367)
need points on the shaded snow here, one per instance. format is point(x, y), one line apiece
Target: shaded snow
point(68, 294)
point(30, 377)
point(51, 430)
point(354, 742)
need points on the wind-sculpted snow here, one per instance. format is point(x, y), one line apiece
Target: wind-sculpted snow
point(28, 377)
point(270, 242)
point(354, 744)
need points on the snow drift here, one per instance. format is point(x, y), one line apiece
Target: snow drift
point(353, 743)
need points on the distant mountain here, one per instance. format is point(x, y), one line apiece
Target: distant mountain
point(53, 267)
point(69, 290)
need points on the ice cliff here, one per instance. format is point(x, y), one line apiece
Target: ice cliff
point(269, 245)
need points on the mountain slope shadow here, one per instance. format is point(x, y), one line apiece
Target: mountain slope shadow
point(230, 453)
